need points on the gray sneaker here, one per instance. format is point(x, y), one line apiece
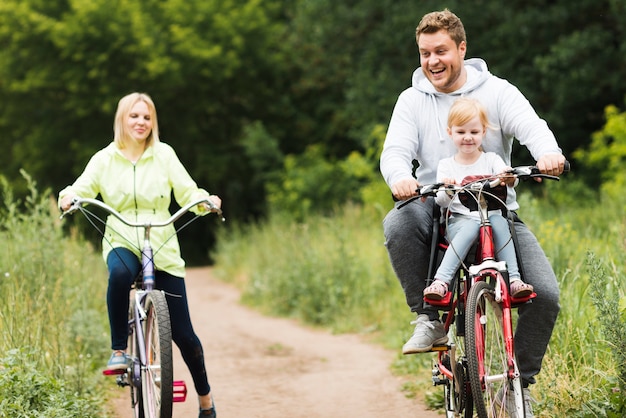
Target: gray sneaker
point(426, 334)
point(510, 403)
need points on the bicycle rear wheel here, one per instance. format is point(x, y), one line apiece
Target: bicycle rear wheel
point(457, 391)
point(487, 356)
point(157, 378)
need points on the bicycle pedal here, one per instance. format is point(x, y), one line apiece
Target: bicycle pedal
point(180, 391)
point(437, 348)
point(443, 303)
point(515, 302)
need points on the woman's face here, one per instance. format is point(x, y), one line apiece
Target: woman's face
point(139, 122)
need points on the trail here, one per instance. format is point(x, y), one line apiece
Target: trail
point(262, 367)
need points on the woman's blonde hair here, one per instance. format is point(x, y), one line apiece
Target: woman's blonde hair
point(465, 109)
point(125, 105)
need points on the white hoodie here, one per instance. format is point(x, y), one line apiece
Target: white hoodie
point(417, 130)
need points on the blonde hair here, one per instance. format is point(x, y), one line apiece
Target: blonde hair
point(443, 20)
point(124, 106)
point(465, 109)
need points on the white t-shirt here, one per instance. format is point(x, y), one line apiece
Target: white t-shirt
point(488, 163)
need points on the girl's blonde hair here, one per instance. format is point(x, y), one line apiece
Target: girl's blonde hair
point(465, 109)
point(125, 105)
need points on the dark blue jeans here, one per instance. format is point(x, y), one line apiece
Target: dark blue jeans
point(124, 266)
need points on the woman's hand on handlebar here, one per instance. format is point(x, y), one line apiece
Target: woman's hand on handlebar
point(216, 204)
point(66, 202)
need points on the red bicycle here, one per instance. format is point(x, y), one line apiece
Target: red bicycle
point(478, 368)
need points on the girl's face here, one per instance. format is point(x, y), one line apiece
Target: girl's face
point(468, 137)
point(139, 122)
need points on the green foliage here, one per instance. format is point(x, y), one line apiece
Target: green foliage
point(312, 182)
point(607, 294)
point(52, 319)
point(26, 392)
point(606, 154)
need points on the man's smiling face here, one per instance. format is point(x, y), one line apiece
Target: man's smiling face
point(442, 61)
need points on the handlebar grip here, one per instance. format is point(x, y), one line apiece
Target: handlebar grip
point(566, 167)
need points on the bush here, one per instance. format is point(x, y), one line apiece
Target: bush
point(26, 392)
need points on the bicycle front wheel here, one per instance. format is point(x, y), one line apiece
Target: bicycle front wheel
point(157, 377)
point(493, 391)
point(135, 368)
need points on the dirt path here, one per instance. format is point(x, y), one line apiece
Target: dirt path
point(270, 367)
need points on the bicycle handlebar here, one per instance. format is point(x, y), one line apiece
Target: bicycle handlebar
point(78, 202)
point(522, 172)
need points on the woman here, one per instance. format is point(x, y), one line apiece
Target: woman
point(136, 174)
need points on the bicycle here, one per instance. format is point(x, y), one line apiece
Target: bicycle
point(150, 372)
point(478, 369)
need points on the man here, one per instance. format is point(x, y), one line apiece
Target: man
point(417, 132)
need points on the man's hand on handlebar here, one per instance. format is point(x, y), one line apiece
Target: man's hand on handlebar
point(552, 164)
point(405, 189)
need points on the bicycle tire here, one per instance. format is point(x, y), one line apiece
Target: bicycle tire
point(136, 398)
point(487, 357)
point(157, 377)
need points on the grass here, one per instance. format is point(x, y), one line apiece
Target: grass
point(53, 330)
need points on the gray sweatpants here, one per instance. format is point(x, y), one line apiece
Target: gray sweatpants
point(408, 233)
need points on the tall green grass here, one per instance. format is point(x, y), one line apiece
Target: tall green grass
point(53, 329)
point(327, 271)
point(334, 272)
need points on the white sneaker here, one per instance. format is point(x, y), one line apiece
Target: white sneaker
point(510, 403)
point(426, 334)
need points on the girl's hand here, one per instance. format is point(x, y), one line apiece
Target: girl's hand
point(507, 178)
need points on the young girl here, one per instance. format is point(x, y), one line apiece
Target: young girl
point(467, 126)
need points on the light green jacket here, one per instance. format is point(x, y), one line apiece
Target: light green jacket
point(139, 192)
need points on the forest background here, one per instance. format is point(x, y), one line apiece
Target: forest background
point(279, 102)
point(281, 107)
